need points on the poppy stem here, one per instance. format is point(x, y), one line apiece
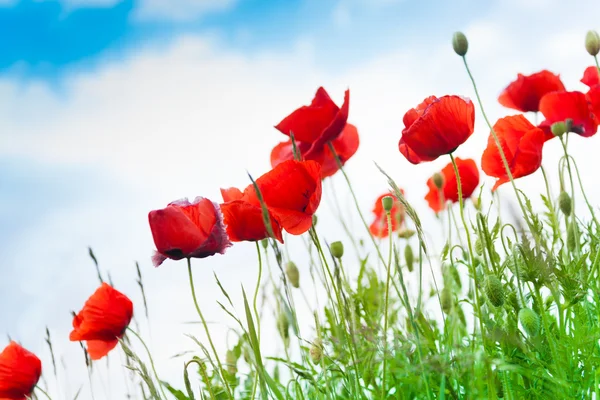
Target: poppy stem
point(387, 301)
point(158, 381)
point(256, 290)
point(597, 64)
point(491, 386)
point(572, 221)
point(210, 341)
point(43, 392)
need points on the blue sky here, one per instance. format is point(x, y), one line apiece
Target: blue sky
point(109, 109)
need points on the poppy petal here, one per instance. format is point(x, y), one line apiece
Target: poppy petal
point(345, 147)
point(335, 128)
point(231, 194)
point(560, 106)
point(524, 94)
point(469, 179)
point(20, 371)
point(591, 76)
point(97, 349)
point(244, 221)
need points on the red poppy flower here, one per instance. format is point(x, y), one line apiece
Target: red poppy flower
point(591, 76)
point(469, 179)
point(561, 106)
point(436, 127)
point(185, 229)
point(318, 123)
point(522, 143)
point(345, 146)
point(102, 321)
point(243, 220)
point(525, 93)
point(379, 226)
point(20, 371)
point(593, 97)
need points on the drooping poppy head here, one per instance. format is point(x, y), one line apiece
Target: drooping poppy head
point(591, 76)
point(379, 226)
point(188, 230)
point(20, 371)
point(436, 127)
point(345, 147)
point(522, 143)
point(574, 107)
point(244, 221)
point(318, 123)
point(291, 192)
point(469, 179)
point(102, 321)
point(525, 93)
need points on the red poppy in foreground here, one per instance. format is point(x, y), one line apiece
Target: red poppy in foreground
point(522, 143)
point(469, 179)
point(20, 371)
point(292, 193)
point(244, 220)
point(188, 230)
point(525, 93)
point(344, 145)
point(102, 321)
point(320, 122)
point(573, 106)
point(591, 76)
point(379, 226)
point(436, 127)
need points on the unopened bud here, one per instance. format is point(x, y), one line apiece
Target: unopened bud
point(494, 291)
point(316, 351)
point(265, 243)
point(530, 321)
point(337, 249)
point(438, 180)
point(446, 300)
point(476, 203)
point(460, 44)
point(388, 203)
point(564, 203)
point(314, 220)
point(571, 237)
point(592, 43)
point(558, 128)
point(406, 233)
point(409, 258)
point(478, 247)
point(283, 326)
point(231, 362)
point(293, 275)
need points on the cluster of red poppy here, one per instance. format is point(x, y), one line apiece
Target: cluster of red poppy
point(287, 197)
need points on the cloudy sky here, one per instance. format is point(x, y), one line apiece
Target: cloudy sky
point(110, 108)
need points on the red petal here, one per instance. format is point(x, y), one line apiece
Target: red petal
point(345, 146)
point(469, 179)
point(231, 194)
point(308, 123)
point(379, 227)
point(444, 125)
point(593, 96)
point(591, 76)
point(525, 93)
point(335, 128)
point(560, 106)
point(105, 316)
point(284, 151)
point(20, 371)
point(100, 348)
point(244, 221)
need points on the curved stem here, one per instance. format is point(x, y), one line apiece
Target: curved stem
point(43, 392)
point(387, 298)
point(151, 361)
point(203, 372)
point(256, 290)
point(212, 346)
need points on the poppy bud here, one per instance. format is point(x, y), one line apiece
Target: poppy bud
point(460, 44)
point(592, 43)
point(571, 237)
point(478, 247)
point(558, 128)
point(455, 275)
point(231, 362)
point(314, 220)
point(564, 203)
point(337, 249)
point(406, 233)
point(283, 326)
point(438, 180)
point(530, 321)
point(293, 274)
point(513, 300)
point(494, 291)
point(316, 351)
point(446, 300)
point(476, 203)
point(388, 203)
point(265, 243)
point(409, 257)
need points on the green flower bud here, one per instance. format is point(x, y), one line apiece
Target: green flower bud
point(231, 362)
point(455, 275)
point(478, 247)
point(337, 249)
point(388, 203)
point(571, 237)
point(406, 233)
point(283, 326)
point(316, 351)
point(592, 43)
point(446, 300)
point(512, 299)
point(494, 291)
point(558, 128)
point(438, 180)
point(460, 44)
point(293, 275)
point(265, 243)
point(564, 203)
point(409, 258)
point(314, 220)
point(530, 321)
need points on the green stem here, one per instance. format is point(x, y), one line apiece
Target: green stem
point(491, 386)
point(572, 221)
point(204, 376)
point(256, 290)
point(158, 381)
point(387, 298)
point(210, 341)
point(39, 389)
